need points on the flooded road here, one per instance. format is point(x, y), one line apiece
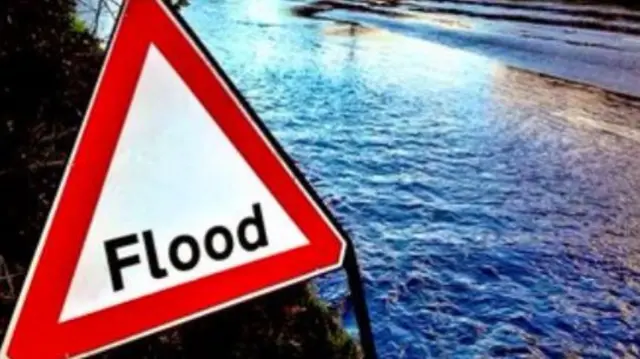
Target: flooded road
point(596, 45)
point(496, 212)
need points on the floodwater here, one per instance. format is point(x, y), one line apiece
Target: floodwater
point(579, 44)
point(495, 212)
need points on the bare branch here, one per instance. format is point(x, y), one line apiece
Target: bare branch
point(6, 275)
point(96, 19)
point(109, 10)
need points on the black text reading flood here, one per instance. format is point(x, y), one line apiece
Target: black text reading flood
point(219, 234)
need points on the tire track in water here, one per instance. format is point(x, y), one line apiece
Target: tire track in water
point(603, 12)
point(481, 11)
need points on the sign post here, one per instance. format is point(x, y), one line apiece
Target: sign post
point(176, 202)
point(356, 287)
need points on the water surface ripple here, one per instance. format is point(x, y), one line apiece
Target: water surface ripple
point(495, 212)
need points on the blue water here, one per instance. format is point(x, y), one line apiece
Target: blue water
point(492, 215)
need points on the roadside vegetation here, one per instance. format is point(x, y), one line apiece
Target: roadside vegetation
point(50, 61)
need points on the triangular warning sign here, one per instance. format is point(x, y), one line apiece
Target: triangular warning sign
point(176, 202)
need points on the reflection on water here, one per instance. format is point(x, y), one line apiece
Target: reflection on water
point(489, 216)
point(267, 11)
point(446, 21)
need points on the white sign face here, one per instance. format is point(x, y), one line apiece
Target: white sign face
point(179, 202)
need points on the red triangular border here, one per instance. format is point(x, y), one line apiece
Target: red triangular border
point(35, 331)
